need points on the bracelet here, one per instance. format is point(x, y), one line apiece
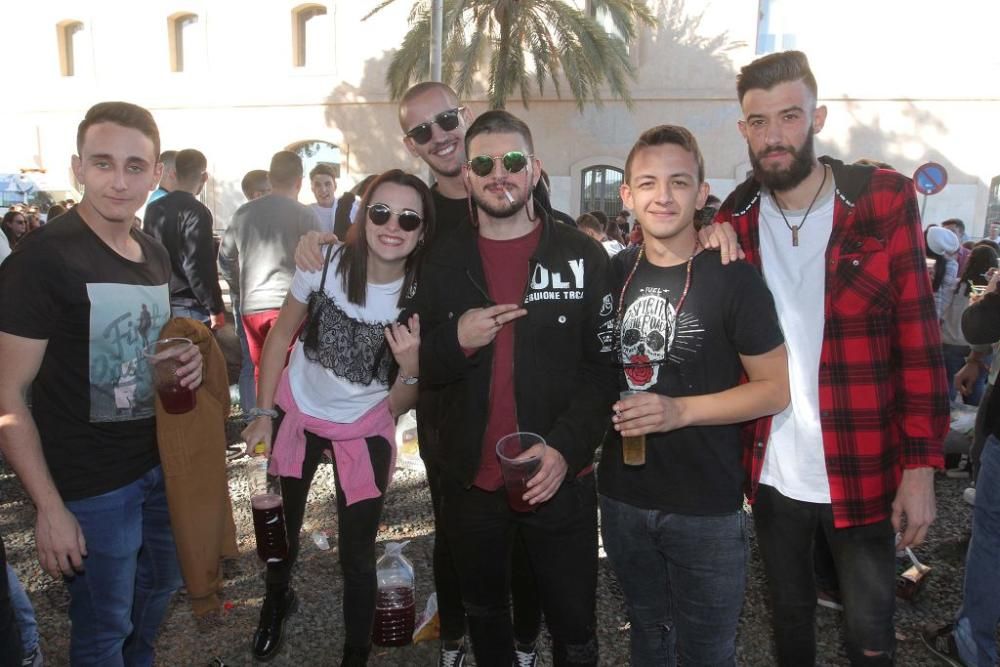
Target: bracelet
point(408, 379)
point(262, 412)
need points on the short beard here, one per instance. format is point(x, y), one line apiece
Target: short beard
point(782, 181)
point(494, 212)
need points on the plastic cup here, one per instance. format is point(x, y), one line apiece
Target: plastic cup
point(163, 360)
point(517, 468)
point(633, 446)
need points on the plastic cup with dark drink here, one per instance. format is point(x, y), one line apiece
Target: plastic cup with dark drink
point(633, 446)
point(164, 362)
point(518, 467)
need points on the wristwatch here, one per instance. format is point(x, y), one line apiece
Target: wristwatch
point(409, 379)
point(262, 412)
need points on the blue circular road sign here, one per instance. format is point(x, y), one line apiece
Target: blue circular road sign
point(930, 178)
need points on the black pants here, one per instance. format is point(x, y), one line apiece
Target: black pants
point(451, 611)
point(865, 560)
point(560, 539)
point(357, 527)
point(10, 635)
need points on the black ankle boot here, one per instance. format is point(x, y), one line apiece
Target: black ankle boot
point(355, 657)
point(277, 607)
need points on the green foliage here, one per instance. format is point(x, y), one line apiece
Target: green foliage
point(523, 44)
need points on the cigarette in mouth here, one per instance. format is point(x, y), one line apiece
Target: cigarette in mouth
point(506, 193)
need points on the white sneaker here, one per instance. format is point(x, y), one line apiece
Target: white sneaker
point(969, 496)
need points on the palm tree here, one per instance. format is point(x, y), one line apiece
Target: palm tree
point(527, 43)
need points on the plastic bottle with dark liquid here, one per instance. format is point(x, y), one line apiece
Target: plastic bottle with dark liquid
point(268, 512)
point(395, 604)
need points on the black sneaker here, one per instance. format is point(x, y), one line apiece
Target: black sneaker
point(525, 658)
point(940, 641)
point(452, 657)
point(277, 607)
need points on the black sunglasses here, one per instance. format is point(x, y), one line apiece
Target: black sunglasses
point(380, 214)
point(513, 162)
point(446, 120)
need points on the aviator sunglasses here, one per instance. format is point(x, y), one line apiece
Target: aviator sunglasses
point(513, 162)
point(380, 214)
point(446, 120)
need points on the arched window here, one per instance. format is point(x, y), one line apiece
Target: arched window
point(599, 189)
point(187, 48)
point(313, 152)
point(310, 34)
point(71, 48)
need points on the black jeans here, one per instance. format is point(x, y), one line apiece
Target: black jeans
point(10, 635)
point(560, 539)
point(866, 564)
point(451, 611)
point(357, 527)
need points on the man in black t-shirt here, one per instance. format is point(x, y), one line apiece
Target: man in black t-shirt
point(77, 301)
point(687, 328)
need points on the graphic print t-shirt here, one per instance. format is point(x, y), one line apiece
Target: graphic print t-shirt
point(728, 312)
point(93, 397)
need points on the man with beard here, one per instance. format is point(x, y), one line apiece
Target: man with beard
point(514, 306)
point(841, 250)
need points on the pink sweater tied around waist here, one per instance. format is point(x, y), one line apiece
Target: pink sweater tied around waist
point(350, 451)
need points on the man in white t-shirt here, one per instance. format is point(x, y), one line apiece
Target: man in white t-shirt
point(841, 249)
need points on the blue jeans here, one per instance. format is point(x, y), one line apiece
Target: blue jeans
point(954, 359)
point(683, 577)
point(23, 612)
point(195, 313)
point(130, 573)
point(976, 624)
point(248, 387)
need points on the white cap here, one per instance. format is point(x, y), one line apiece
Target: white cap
point(942, 241)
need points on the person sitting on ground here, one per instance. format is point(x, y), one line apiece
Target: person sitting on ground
point(352, 373)
point(982, 263)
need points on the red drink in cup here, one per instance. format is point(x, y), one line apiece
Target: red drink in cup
point(162, 357)
point(518, 465)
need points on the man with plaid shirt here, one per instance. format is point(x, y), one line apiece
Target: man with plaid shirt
point(841, 250)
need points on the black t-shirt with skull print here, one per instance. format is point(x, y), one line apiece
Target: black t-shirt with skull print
point(728, 311)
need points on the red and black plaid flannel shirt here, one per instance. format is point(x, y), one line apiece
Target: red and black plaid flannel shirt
point(882, 387)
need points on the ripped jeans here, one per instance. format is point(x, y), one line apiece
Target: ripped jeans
point(560, 538)
point(683, 577)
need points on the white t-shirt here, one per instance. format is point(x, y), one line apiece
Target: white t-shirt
point(794, 463)
point(328, 393)
point(325, 216)
point(612, 247)
point(4, 247)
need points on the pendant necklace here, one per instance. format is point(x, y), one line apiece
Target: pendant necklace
point(795, 228)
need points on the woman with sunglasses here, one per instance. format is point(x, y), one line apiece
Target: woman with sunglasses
point(15, 226)
point(352, 373)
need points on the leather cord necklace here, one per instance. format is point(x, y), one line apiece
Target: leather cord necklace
point(795, 228)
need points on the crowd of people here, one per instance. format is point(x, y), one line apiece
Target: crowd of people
point(792, 354)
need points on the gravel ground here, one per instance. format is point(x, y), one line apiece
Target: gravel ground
point(314, 634)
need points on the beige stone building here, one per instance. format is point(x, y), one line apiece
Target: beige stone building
point(906, 82)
